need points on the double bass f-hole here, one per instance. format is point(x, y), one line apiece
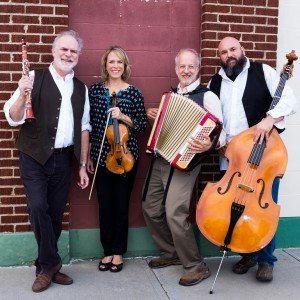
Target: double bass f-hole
point(119, 159)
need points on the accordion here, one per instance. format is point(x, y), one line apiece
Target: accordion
point(178, 119)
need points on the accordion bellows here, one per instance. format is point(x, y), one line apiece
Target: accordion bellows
point(178, 119)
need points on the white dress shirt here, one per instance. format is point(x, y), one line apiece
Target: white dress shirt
point(231, 95)
point(211, 102)
point(65, 129)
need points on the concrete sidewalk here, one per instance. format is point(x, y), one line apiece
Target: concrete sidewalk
point(138, 282)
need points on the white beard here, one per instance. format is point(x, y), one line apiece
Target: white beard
point(64, 67)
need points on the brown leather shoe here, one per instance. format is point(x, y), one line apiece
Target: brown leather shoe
point(162, 262)
point(42, 282)
point(243, 265)
point(192, 278)
point(264, 273)
point(61, 278)
point(43, 279)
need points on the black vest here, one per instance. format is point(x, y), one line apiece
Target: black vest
point(197, 94)
point(256, 98)
point(37, 138)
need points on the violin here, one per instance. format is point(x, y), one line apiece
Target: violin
point(119, 159)
point(238, 212)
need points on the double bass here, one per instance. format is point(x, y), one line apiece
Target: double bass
point(238, 212)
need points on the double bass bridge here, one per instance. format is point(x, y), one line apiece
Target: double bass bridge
point(246, 188)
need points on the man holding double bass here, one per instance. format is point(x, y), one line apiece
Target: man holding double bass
point(246, 90)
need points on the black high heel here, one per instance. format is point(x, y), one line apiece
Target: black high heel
point(104, 266)
point(116, 268)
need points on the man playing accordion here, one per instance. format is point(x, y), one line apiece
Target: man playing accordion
point(168, 191)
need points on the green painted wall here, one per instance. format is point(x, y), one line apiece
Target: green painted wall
point(20, 248)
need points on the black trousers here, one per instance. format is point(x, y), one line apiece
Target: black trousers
point(47, 188)
point(113, 196)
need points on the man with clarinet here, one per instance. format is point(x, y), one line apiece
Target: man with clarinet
point(56, 129)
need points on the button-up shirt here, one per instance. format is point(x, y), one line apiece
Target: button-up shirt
point(231, 95)
point(65, 129)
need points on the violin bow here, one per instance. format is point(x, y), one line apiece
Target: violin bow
point(106, 125)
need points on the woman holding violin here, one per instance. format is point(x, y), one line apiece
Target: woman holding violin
point(117, 115)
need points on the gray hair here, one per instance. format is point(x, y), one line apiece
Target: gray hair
point(188, 50)
point(72, 33)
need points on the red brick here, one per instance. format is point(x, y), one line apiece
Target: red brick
point(55, 20)
point(42, 29)
point(61, 11)
point(13, 200)
point(253, 37)
point(25, 19)
point(23, 228)
point(6, 210)
point(266, 46)
point(215, 27)
point(12, 9)
point(273, 3)
point(242, 10)
point(19, 191)
point(272, 21)
point(209, 17)
point(6, 172)
point(255, 20)
point(207, 8)
point(39, 10)
point(206, 35)
point(266, 12)
point(56, 2)
point(255, 2)
point(21, 210)
point(230, 18)
point(241, 28)
point(6, 228)
point(266, 29)
point(14, 219)
point(272, 38)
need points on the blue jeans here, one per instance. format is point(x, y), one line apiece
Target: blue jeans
point(265, 255)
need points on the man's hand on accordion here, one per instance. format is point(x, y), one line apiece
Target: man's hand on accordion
point(199, 146)
point(151, 114)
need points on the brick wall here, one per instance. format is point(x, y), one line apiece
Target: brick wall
point(254, 22)
point(38, 21)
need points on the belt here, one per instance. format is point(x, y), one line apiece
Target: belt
point(61, 150)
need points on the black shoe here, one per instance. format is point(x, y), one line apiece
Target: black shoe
point(116, 268)
point(104, 266)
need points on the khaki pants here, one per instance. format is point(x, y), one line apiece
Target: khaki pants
point(168, 224)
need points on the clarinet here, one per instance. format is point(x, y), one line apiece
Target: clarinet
point(29, 117)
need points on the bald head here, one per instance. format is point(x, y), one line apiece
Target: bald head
point(229, 42)
point(232, 56)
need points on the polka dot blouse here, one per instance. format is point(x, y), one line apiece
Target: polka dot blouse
point(130, 102)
